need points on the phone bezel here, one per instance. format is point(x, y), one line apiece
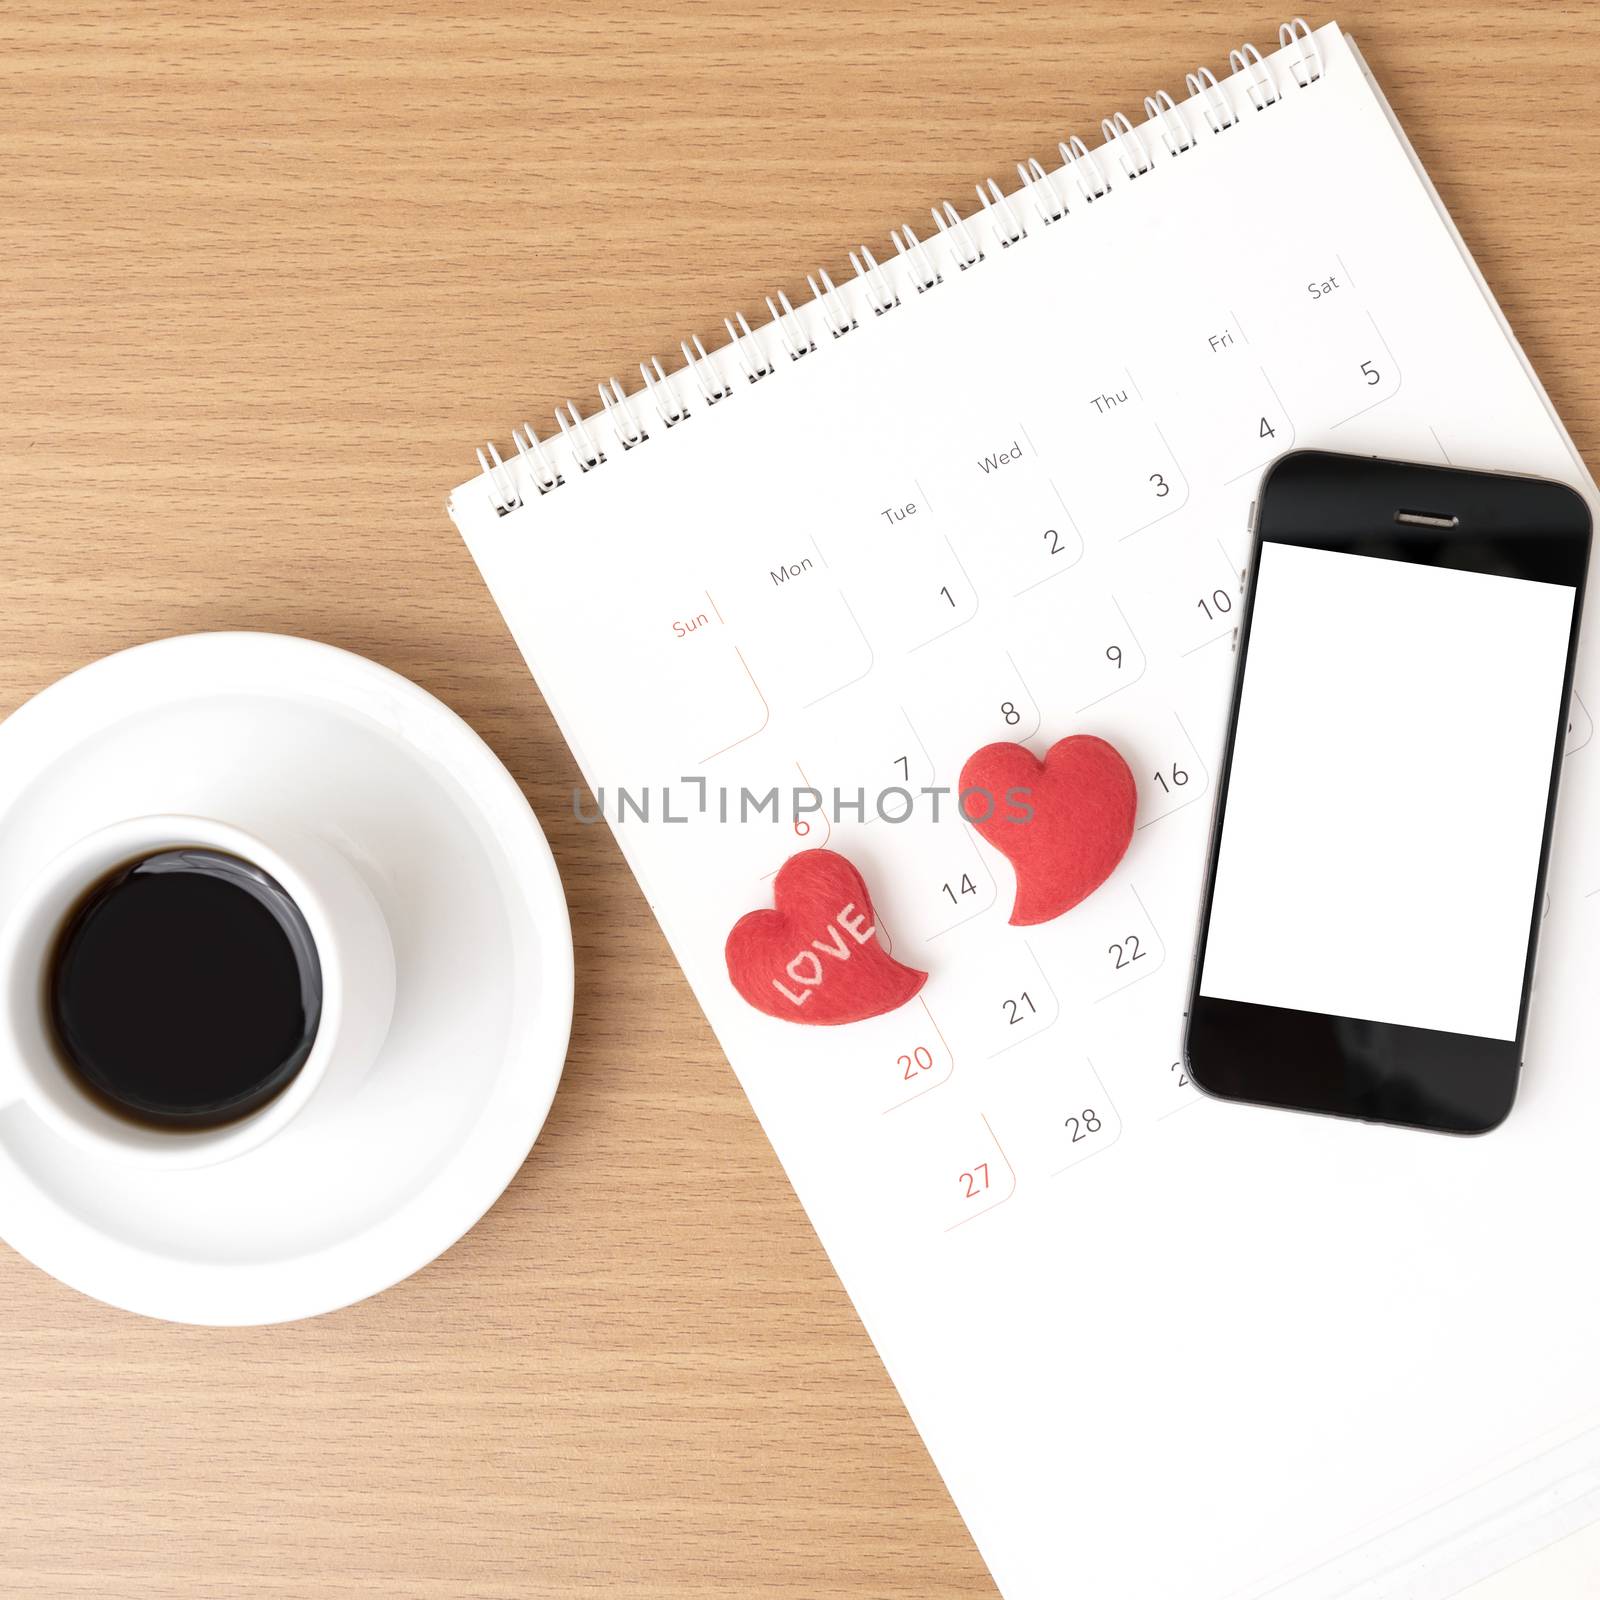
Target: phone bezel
point(1349, 1067)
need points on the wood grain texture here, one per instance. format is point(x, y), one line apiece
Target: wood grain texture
point(267, 272)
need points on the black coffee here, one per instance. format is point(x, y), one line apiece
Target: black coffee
point(185, 989)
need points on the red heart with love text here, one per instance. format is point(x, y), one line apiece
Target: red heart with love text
point(815, 956)
point(1063, 823)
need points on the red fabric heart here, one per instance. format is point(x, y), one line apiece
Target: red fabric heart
point(815, 958)
point(1063, 823)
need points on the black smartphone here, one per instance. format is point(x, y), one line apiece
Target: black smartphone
point(1383, 820)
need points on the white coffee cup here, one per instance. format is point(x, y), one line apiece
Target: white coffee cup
point(353, 947)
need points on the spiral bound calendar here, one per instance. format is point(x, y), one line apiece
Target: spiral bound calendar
point(993, 483)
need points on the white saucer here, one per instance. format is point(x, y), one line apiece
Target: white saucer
point(350, 1199)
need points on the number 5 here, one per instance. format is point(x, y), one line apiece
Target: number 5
point(1373, 375)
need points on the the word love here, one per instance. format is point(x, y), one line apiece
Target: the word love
point(806, 971)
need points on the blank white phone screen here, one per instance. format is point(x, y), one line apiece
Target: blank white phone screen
point(1386, 805)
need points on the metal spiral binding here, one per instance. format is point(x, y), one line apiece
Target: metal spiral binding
point(1218, 108)
point(1160, 110)
point(1120, 135)
point(875, 282)
point(1077, 159)
point(1036, 182)
point(915, 254)
point(1171, 129)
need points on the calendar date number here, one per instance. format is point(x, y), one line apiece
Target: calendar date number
point(1084, 1126)
point(1019, 1010)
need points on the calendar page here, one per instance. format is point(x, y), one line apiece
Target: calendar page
point(1157, 1346)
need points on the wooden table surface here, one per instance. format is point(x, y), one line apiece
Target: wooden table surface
point(267, 273)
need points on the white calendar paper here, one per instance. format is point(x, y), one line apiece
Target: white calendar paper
point(1158, 1347)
